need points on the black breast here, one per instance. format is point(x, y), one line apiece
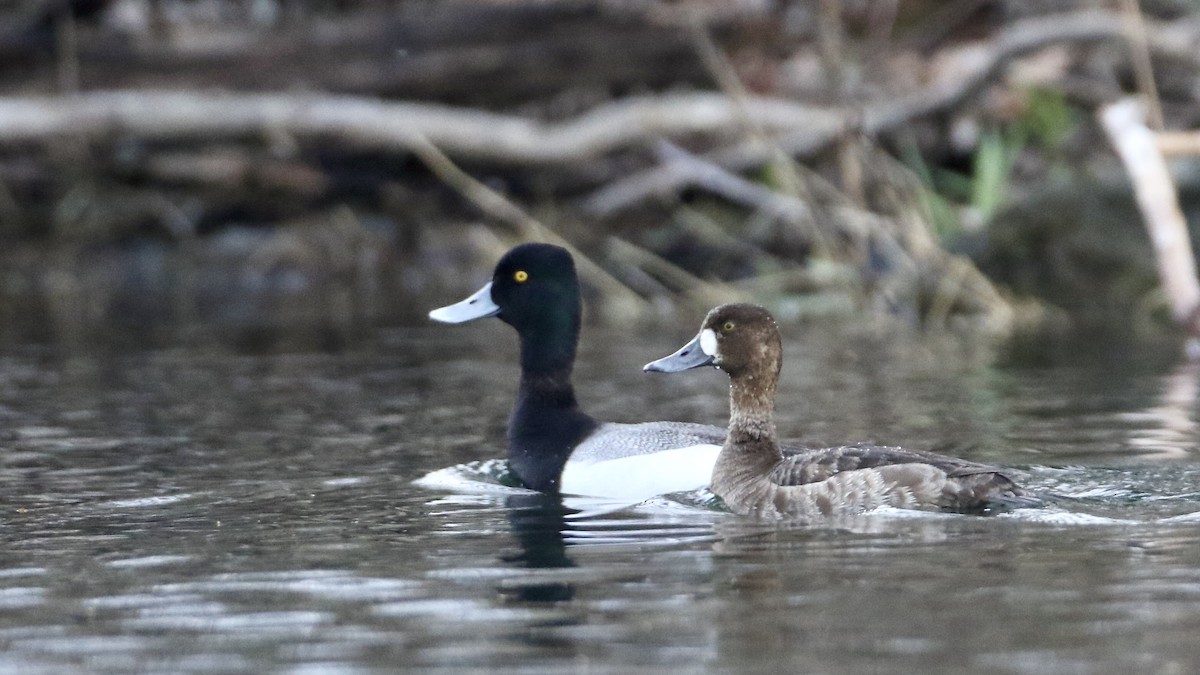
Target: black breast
point(541, 439)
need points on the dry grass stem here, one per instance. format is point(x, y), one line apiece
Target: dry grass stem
point(618, 297)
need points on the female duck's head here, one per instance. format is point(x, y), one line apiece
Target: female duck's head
point(740, 339)
point(535, 290)
point(743, 341)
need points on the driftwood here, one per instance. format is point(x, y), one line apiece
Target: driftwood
point(796, 129)
point(874, 119)
point(382, 125)
point(1125, 123)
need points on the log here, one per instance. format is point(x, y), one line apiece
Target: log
point(469, 134)
point(387, 126)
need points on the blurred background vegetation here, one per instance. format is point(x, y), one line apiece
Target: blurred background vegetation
point(925, 165)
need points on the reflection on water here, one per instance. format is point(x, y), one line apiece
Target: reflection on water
point(1168, 430)
point(191, 511)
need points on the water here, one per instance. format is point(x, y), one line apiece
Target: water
point(194, 510)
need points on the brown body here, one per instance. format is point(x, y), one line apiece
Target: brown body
point(754, 477)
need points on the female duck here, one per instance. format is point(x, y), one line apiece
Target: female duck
point(753, 476)
point(554, 446)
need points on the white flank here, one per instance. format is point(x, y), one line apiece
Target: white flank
point(640, 477)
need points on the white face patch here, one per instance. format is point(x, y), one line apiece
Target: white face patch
point(708, 342)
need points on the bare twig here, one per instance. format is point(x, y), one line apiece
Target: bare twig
point(796, 128)
point(736, 188)
point(985, 59)
point(10, 211)
point(1139, 50)
point(712, 178)
point(67, 37)
point(707, 292)
point(821, 275)
point(528, 227)
point(718, 64)
point(708, 230)
point(949, 289)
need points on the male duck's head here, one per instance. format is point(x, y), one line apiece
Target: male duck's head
point(740, 339)
point(534, 287)
point(535, 290)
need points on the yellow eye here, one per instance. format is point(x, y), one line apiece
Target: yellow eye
point(727, 327)
point(521, 276)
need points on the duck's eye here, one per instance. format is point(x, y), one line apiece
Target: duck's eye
point(521, 276)
point(727, 327)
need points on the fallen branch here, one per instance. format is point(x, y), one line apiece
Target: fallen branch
point(382, 125)
point(469, 134)
point(856, 232)
point(1125, 124)
point(985, 59)
point(1178, 143)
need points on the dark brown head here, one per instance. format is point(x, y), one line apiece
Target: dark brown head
point(739, 339)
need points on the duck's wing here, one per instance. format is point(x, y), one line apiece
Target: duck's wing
point(613, 440)
point(809, 465)
point(964, 486)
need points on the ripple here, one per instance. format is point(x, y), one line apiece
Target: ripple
point(342, 482)
point(16, 664)
point(1099, 492)
point(41, 432)
point(140, 600)
point(489, 476)
point(150, 561)
point(326, 584)
point(1193, 517)
point(21, 572)
point(466, 611)
point(1052, 517)
point(20, 597)
point(141, 502)
point(82, 645)
point(252, 625)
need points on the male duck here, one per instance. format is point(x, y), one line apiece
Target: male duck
point(553, 446)
point(754, 477)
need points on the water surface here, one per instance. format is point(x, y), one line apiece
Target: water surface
point(196, 510)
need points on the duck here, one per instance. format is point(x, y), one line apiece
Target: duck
point(553, 445)
point(752, 474)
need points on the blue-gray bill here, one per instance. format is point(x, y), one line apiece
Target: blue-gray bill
point(689, 356)
point(478, 306)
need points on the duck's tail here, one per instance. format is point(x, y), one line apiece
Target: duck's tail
point(987, 492)
point(1011, 500)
